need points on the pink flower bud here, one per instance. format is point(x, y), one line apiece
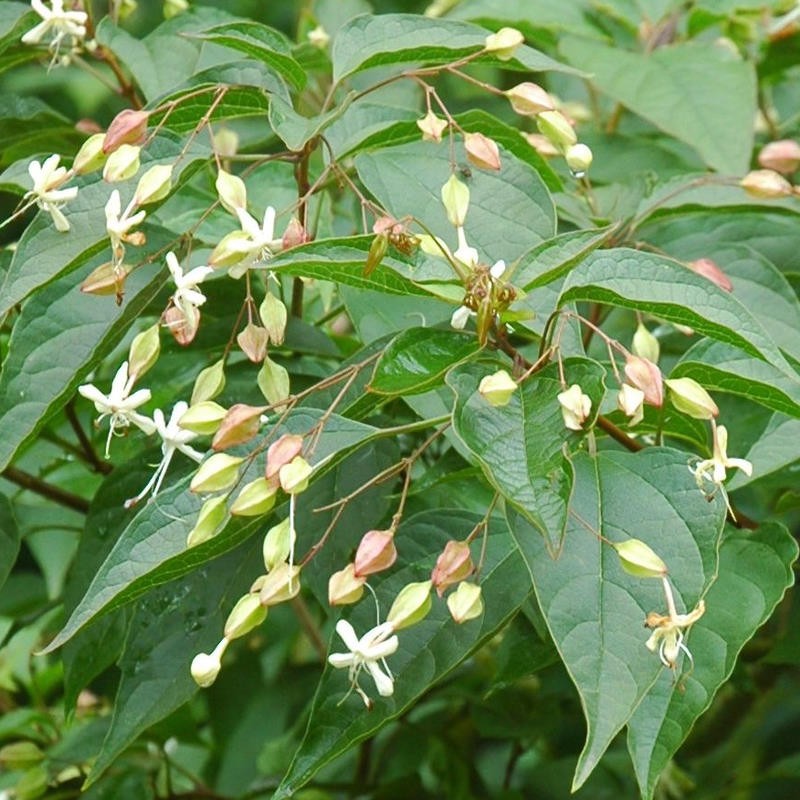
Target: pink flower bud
point(782, 156)
point(710, 269)
point(766, 184)
point(253, 341)
point(239, 425)
point(281, 452)
point(645, 375)
point(529, 99)
point(541, 144)
point(453, 565)
point(128, 127)
point(376, 552)
point(432, 127)
point(295, 234)
point(345, 587)
point(482, 152)
point(182, 326)
point(108, 278)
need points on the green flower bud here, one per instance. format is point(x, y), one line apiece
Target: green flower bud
point(209, 383)
point(278, 544)
point(144, 351)
point(108, 278)
point(377, 250)
point(579, 159)
point(345, 587)
point(91, 156)
point(638, 559)
point(273, 381)
point(20, 755)
point(455, 196)
point(690, 398)
point(411, 605)
point(497, 388)
point(216, 474)
point(274, 316)
point(211, 516)
point(247, 614)
point(206, 666)
point(294, 476)
point(256, 498)
point(556, 127)
point(503, 43)
point(645, 345)
point(466, 602)
point(154, 185)
point(282, 584)
point(172, 8)
point(32, 784)
point(203, 418)
point(233, 248)
point(231, 191)
point(122, 164)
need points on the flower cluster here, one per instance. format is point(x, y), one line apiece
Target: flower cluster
point(63, 31)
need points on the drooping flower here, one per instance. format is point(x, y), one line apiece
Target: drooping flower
point(668, 629)
point(714, 470)
point(119, 224)
point(366, 653)
point(47, 178)
point(575, 407)
point(57, 27)
point(187, 297)
point(119, 404)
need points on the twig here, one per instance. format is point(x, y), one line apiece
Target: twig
point(40, 487)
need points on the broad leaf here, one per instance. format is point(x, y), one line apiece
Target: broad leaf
point(9, 539)
point(773, 448)
point(593, 608)
point(296, 130)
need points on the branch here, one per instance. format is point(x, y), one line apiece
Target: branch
point(40, 487)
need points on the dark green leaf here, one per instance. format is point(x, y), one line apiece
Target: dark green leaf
point(9, 539)
point(296, 130)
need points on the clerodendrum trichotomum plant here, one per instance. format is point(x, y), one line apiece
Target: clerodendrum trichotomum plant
point(379, 396)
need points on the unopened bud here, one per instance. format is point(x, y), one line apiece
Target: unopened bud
point(278, 543)
point(630, 402)
point(412, 604)
point(690, 398)
point(232, 249)
point(766, 184)
point(645, 345)
point(455, 196)
point(503, 43)
point(108, 278)
point(33, 784)
point(209, 383)
point(453, 565)
point(226, 142)
point(273, 381)
point(231, 191)
point(782, 156)
point(203, 418)
point(256, 498)
point(281, 452)
point(206, 666)
point(466, 602)
point(182, 323)
point(541, 144)
point(211, 516)
point(239, 425)
point(20, 755)
point(482, 152)
point(274, 316)
point(172, 8)
point(294, 235)
point(282, 584)
point(557, 128)
point(319, 37)
point(497, 388)
point(579, 159)
point(144, 351)
point(122, 164)
point(253, 341)
point(127, 128)
point(217, 473)
point(711, 270)
point(645, 375)
point(529, 99)
point(154, 185)
point(376, 552)
point(247, 614)
point(345, 587)
point(638, 559)
point(575, 407)
point(377, 250)
point(294, 476)
point(91, 156)
point(432, 127)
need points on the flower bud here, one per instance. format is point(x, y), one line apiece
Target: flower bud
point(709, 269)
point(319, 37)
point(690, 398)
point(154, 185)
point(579, 159)
point(412, 604)
point(503, 43)
point(782, 156)
point(108, 278)
point(122, 164)
point(209, 383)
point(253, 342)
point(206, 666)
point(203, 418)
point(274, 316)
point(172, 8)
point(541, 144)
point(497, 388)
point(630, 402)
point(482, 152)
point(144, 351)
point(211, 515)
point(273, 381)
point(247, 614)
point(766, 184)
point(345, 587)
point(231, 191)
point(281, 452)
point(376, 552)
point(226, 142)
point(217, 473)
point(282, 584)
point(239, 425)
point(645, 345)
point(127, 128)
point(453, 565)
point(20, 755)
point(432, 127)
point(557, 128)
point(294, 235)
point(256, 498)
point(529, 99)
point(638, 559)
point(645, 375)
point(232, 249)
point(575, 407)
point(466, 602)
point(182, 323)
point(377, 250)
point(33, 784)
point(278, 544)
point(455, 196)
point(294, 476)
point(91, 156)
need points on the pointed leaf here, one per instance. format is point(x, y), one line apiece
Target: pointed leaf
point(9, 539)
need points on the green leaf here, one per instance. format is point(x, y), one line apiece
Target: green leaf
point(703, 94)
point(521, 446)
point(669, 290)
point(593, 608)
point(415, 360)
point(60, 336)
point(9, 539)
point(773, 448)
point(296, 130)
point(428, 651)
point(374, 41)
point(754, 572)
point(260, 42)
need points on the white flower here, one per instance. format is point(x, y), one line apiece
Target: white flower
point(667, 636)
point(47, 177)
point(118, 225)
point(365, 653)
point(260, 243)
point(460, 317)
point(173, 438)
point(119, 404)
point(187, 297)
point(714, 469)
point(467, 255)
point(575, 407)
point(68, 27)
point(630, 401)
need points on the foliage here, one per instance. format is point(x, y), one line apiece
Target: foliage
point(399, 400)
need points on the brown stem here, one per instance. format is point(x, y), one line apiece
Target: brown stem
point(618, 434)
point(40, 487)
point(303, 187)
point(126, 87)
